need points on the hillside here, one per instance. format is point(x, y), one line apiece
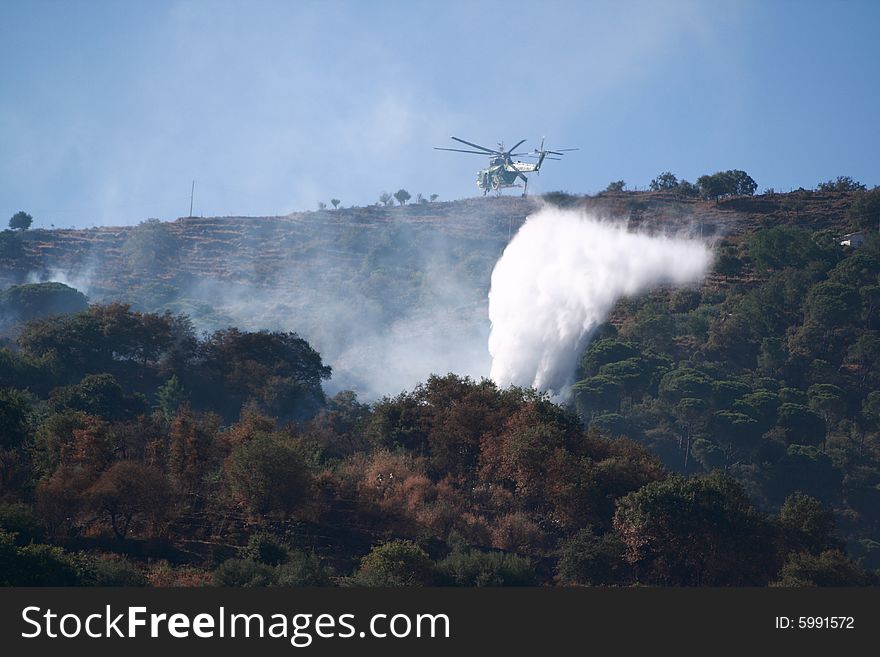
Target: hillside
point(725, 434)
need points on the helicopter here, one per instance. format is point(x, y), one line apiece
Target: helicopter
point(503, 169)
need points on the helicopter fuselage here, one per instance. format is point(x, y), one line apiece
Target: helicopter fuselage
point(501, 174)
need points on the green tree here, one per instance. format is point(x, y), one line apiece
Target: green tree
point(402, 196)
point(841, 184)
point(726, 183)
point(170, 396)
point(865, 209)
point(737, 432)
point(829, 401)
point(99, 395)
point(801, 425)
point(335, 203)
point(34, 300)
point(804, 468)
point(269, 474)
point(808, 526)
point(830, 568)
point(590, 559)
point(596, 394)
point(386, 199)
point(699, 531)
point(151, 247)
point(434, 197)
point(782, 246)
point(395, 563)
point(616, 186)
point(20, 221)
point(15, 417)
point(665, 182)
point(692, 415)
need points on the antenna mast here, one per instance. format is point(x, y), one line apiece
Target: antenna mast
point(191, 192)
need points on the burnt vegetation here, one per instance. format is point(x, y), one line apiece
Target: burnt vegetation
point(722, 435)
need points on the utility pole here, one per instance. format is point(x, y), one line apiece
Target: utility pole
point(191, 192)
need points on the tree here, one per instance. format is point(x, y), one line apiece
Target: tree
point(269, 474)
point(192, 450)
point(386, 199)
point(699, 531)
point(21, 221)
point(335, 203)
point(169, 397)
point(726, 183)
point(322, 206)
point(99, 395)
point(801, 425)
point(151, 246)
point(666, 181)
point(782, 246)
point(15, 413)
point(434, 197)
point(830, 568)
point(395, 563)
point(804, 468)
point(402, 196)
point(592, 560)
point(808, 526)
point(841, 184)
point(616, 186)
point(829, 401)
point(280, 372)
point(687, 189)
point(131, 491)
point(33, 300)
point(604, 351)
point(865, 209)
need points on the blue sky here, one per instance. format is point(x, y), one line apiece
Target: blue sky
point(108, 110)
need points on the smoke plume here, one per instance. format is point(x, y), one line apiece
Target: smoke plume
point(559, 278)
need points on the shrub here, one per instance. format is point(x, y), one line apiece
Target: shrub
point(395, 563)
point(475, 568)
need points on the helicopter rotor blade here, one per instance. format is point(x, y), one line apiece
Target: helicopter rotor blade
point(459, 150)
point(482, 148)
point(513, 148)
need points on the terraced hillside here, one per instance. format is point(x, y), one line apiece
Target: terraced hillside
point(353, 281)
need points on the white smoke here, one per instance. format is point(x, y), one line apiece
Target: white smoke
point(559, 278)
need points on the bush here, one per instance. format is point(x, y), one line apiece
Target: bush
point(244, 573)
point(303, 569)
point(111, 571)
point(269, 474)
point(395, 563)
point(265, 548)
point(590, 559)
point(830, 568)
point(841, 184)
point(475, 568)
